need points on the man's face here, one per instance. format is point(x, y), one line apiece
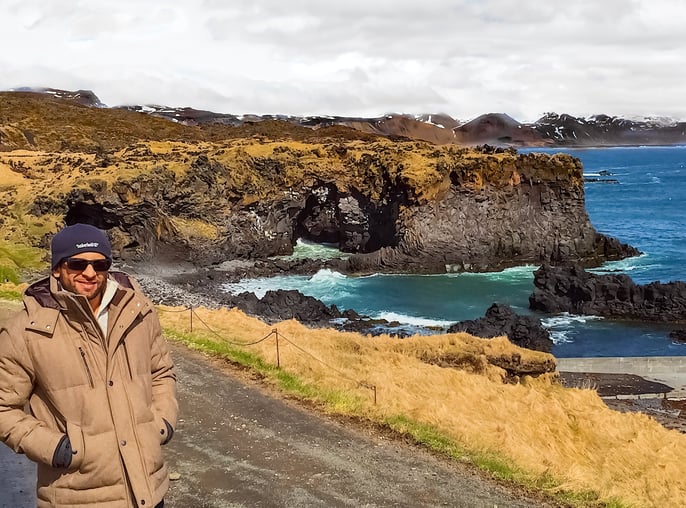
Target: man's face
point(86, 282)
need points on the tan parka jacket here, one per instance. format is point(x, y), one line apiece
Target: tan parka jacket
point(111, 396)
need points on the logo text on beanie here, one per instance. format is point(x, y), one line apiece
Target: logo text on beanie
point(87, 244)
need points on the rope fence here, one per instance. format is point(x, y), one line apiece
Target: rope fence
point(275, 333)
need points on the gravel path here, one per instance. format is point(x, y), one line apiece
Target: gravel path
point(236, 445)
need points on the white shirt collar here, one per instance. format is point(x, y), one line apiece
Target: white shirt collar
point(103, 310)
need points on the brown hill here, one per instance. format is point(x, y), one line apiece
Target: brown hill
point(60, 122)
point(406, 126)
point(38, 121)
point(498, 129)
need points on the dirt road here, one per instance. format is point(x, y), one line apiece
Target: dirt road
point(238, 446)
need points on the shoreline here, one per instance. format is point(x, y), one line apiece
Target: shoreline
point(600, 147)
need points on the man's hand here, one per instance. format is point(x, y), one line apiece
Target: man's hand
point(61, 459)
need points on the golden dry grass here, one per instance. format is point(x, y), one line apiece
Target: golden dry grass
point(567, 434)
point(194, 228)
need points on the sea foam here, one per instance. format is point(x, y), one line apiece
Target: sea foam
point(413, 320)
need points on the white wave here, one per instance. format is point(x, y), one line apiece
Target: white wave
point(325, 275)
point(565, 319)
point(311, 250)
point(560, 337)
point(413, 320)
point(372, 275)
point(320, 285)
point(561, 327)
point(327, 285)
point(623, 265)
point(513, 273)
point(260, 286)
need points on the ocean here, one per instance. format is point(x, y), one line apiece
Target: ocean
point(634, 194)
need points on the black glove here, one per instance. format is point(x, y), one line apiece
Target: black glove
point(61, 459)
point(170, 431)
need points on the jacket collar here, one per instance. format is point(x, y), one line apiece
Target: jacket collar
point(48, 300)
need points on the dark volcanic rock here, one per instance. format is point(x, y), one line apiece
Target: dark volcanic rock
point(286, 304)
point(678, 335)
point(282, 304)
point(524, 331)
point(571, 289)
point(495, 214)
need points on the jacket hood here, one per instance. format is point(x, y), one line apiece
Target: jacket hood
point(43, 291)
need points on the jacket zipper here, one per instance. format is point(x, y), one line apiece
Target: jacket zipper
point(128, 361)
point(88, 370)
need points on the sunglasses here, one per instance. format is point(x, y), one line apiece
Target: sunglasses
point(79, 265)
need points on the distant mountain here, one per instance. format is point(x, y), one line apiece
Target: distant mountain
point(186, 116)
point(83, 97)
point(609, 130)
point(498, 129)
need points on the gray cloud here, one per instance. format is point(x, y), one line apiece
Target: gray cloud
point(461, 57)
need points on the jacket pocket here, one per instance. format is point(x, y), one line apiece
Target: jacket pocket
point(151, 444)
point(78, 449)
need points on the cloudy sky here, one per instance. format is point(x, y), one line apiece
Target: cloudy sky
point(356, 57)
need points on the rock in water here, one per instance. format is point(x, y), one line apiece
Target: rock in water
point(570, 288)
point(524, 331)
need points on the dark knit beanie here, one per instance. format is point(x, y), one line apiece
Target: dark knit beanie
point(79, 238)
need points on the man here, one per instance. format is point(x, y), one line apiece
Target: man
point(88, 356)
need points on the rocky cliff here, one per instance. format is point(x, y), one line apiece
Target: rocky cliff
point(170, 192)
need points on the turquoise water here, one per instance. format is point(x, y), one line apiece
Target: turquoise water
point(642, 209)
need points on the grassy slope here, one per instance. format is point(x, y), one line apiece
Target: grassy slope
point(564, 441)
point(34, 121)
